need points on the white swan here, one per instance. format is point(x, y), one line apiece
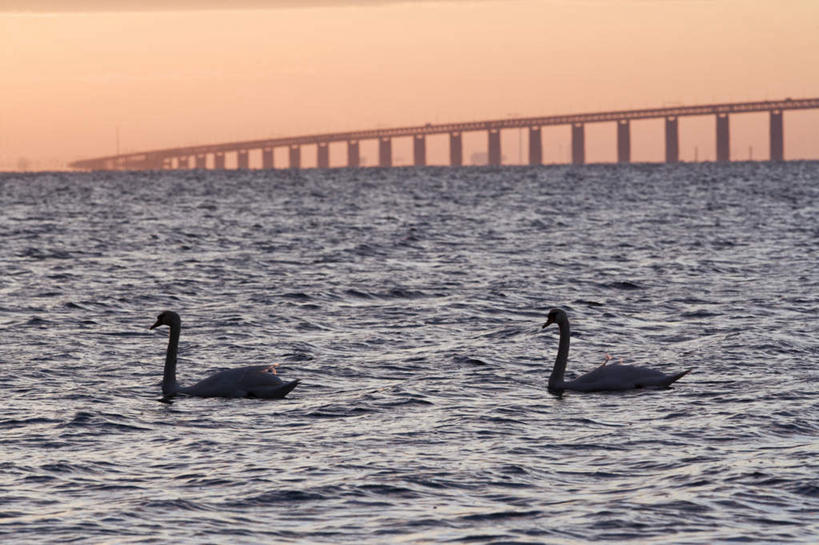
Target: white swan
point(254, 381)
point(606, 377)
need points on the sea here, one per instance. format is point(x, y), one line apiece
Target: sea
point(410, 302)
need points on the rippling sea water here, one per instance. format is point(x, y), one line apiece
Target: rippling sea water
point(409, 303)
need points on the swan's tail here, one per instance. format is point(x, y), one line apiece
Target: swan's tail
point(674, 378)
point(288, 386)
point(275, 392)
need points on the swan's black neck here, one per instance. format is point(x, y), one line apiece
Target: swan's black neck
point(169, 386)
point(556, 378)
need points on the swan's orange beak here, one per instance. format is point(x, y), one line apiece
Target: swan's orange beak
point(156, 325)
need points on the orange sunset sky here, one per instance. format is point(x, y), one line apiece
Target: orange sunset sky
point(77, 74)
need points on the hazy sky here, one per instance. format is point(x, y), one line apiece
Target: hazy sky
point(72, 80)
point(61, 6)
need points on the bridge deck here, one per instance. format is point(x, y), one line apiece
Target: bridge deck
point(488, 125)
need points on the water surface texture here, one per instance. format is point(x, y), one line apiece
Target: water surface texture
point(410, 303)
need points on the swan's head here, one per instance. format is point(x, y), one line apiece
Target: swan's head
point(168, 318)
point(555, 315)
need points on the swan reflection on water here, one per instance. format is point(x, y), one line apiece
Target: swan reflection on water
point(605, 378)
point(260, 381)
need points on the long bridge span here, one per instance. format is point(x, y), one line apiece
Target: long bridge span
point(197, 156)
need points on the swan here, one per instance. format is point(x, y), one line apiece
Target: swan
point(253, 381)
point(614, 377)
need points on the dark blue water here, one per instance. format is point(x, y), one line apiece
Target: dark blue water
point(409, 303)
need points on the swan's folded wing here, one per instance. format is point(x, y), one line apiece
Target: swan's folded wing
point(252, 381)
point(594, 376)
point(261, 382)
point(618, 377)
point(273, 391)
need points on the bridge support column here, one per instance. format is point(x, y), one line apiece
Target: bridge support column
point(201, 162)
point(494, 147)
point(723, 138)
point(295, 156)
point(535, 146)
point(385, 152)
point(242, 159)
point(219, 161)
point(624, 141)
point(182, 163)
point(267, 158)
point(353, 156)
point(419, 150)
point(777, 136)
point(672, 140)
point(578, 144)
point(323, 155)
point(456, 150)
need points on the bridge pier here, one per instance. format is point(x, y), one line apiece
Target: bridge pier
point(672, 140)
point(201, 161)
point(295, 156)
point(777, 136)
point(535, 146)
point(578, 144)
point(385, 151)
point(242, 159)
point(323, 155)
point(723, 138)
point(353, 156)
point(624, 141)
point(456, 150)
point(419, 150)
point(494, 147)
point(267, 158)
point(182, 163)
point(219, 161)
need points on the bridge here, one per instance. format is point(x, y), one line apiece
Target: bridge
point(197, 156)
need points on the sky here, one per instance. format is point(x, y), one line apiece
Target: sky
point(68, 6)
point(86, 78)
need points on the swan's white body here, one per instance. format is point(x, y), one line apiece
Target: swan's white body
point(253, 381)
point(612, 377)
